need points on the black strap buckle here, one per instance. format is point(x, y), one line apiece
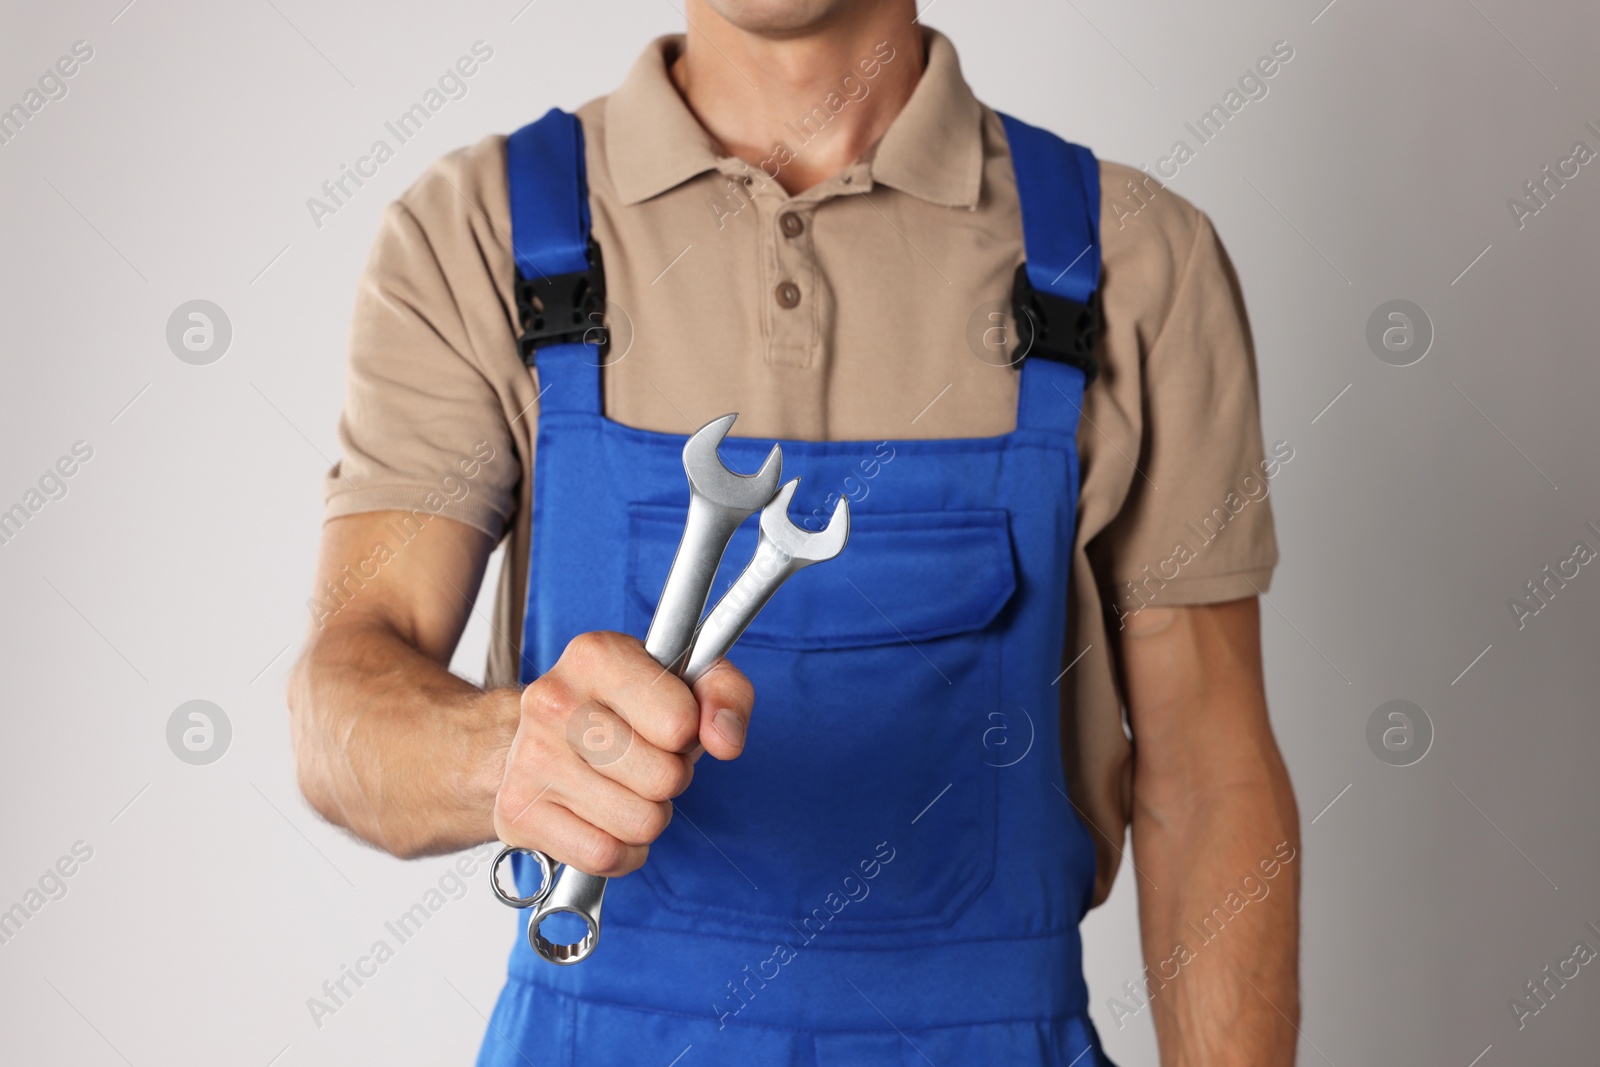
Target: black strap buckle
point(1054, 327)
point(559, 309)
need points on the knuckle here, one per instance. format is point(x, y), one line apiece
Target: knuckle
point(585, 651)
point(510, 806)
point(593, 648)
point(526, 782)
point(602, 854)
point(737, 691)
point(667, 778)
point(517, 805)
point(529, 765)
point(642, 823)
point(590, 730)
point(652, 821)
point(680, 726)
point(547, 699)
point(583, 644)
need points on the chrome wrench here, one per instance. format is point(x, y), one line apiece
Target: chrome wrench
point(719, 500)
point(782, 550)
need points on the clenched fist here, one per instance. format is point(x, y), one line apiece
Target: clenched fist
point(606, 739)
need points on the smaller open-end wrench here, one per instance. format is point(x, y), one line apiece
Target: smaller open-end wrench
point(782, 549)
point(719, 500)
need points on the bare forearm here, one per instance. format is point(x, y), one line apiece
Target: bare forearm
point(1221, 933)
point(1216, 840)
point(395, 748)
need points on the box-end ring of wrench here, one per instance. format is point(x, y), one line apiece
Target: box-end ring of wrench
point(719, 500)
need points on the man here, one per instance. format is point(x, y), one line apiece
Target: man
point(805, 216)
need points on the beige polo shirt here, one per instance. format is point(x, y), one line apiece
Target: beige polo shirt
point(857, 310)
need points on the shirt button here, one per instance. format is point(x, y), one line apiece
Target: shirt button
point(791, 224)
point(788, 295)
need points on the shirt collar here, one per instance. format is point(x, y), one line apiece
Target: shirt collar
point(933, 150)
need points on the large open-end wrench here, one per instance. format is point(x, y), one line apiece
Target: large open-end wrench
point(719, 500)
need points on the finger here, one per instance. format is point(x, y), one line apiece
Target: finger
point(600, 736)
point(616, 670)
point(615, 809)
point(609, 745)
point(568, 838)
point(726, 699)
point(544, 780)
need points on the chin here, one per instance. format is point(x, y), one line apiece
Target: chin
point(781, 18)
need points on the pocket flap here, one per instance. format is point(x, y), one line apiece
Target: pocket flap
point(904, 576)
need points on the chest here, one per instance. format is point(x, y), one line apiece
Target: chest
point(840, 314)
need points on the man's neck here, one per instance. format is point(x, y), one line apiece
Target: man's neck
point(801, 106)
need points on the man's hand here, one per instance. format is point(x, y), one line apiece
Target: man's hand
point(406, 755)
point(1216, 840)
point(606, 739)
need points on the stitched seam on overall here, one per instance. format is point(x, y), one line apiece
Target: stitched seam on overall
point(570, 1001)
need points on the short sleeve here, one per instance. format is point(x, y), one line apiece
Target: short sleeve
point(1196, 526)
point(423, 427)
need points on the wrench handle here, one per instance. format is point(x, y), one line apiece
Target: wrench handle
point(574, 893)
point(706, 533)
point(768, 569)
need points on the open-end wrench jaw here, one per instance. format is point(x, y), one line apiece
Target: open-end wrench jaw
point(719, 500)
point(782, 549)
point(710, 478)
point(798, 543)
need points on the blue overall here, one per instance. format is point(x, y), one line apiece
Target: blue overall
point(878, 879)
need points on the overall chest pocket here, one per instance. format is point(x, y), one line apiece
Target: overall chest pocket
point(862, 798)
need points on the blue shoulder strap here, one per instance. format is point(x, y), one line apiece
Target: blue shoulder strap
point(1055, 293)
point(560, 279)
point(1059, 185)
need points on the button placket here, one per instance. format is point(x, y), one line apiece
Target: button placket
point(792, 308)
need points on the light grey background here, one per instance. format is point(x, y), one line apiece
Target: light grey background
point(175, 569)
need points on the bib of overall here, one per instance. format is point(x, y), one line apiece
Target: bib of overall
point(891, 873)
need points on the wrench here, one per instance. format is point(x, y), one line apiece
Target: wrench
point(782, 549)
point(719, 500)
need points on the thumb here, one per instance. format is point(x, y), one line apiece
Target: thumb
point(726, 698)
